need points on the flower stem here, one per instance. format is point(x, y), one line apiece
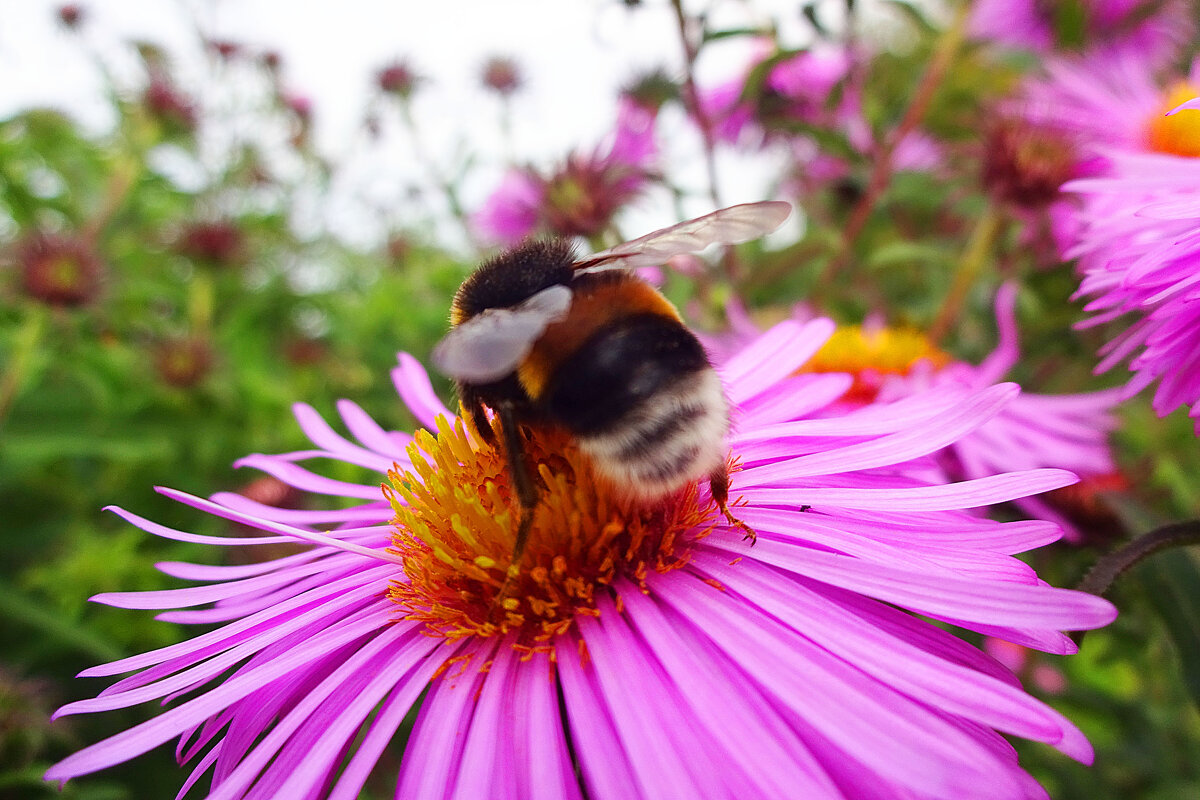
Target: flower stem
point(1108, 568)
point(881, 173)
point(978, 248)
point(19, 362)
point(121, 181)
point(691, 99)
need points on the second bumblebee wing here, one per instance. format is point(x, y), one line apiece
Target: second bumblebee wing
point(732, 225)
point(491, 345)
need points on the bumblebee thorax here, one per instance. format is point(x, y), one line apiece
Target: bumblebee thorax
point(514, 276)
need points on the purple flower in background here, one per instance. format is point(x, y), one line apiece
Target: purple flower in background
point(814, 88)
point(1068, 123)
point(1063, 431)
point(687, 663)
point(511, 212)
point(1107, 99)
point(887, 365)
point(1139, 251)
point(1154, 29)
point(1136, 231)
point(797, 88)
point(581, 197)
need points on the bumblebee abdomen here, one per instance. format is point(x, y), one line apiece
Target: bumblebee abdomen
point(644, 403)
point(618, 368)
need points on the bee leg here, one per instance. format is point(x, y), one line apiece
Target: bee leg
point(526, 489)
point(476, 419)
point(718, 484)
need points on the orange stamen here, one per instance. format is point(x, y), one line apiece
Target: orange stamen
point(455, 522)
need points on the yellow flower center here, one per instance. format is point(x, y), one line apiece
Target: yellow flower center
point(456, 516)
point(870, 355)
point(1178, 134)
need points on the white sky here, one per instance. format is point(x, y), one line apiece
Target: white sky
point(574, 55)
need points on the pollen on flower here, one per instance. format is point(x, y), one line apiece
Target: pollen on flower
point(455, 522)
point(871, 354)
point(1178, 134)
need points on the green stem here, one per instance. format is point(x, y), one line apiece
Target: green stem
point(943, 56)
point(18, 608)
point(1108, 568)
point(29, 336)
point(979, 247)
point(691, 99)
point(121, 180)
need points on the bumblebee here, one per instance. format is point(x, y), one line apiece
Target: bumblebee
point(540, 338)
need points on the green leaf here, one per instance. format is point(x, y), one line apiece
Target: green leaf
point(1171, 582)
point(914, 15)
point(903, 253)
point(21, 609)
point(731, 33)
point(19, 447)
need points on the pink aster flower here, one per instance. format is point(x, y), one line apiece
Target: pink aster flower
point(1151, 28)
point(795, 89)
point(1062, 431)
point(1139, 251)
point(1064, 126)
point(1137, 237)
point(1107, 99)
point(1032, 431)
point(643, 652)
point(581, 197)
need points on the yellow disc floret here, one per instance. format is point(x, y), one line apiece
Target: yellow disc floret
point(455, 522)
point(1179, 133)
point(871, 354)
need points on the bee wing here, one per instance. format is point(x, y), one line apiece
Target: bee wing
point(732, 225)
point(490, 345)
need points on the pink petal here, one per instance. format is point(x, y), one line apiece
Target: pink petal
point(431, 762)
point(964, 494)
point(412, 383)
point(605, 765)
point(922, 676)
point(1017, 605)
point(147, 735)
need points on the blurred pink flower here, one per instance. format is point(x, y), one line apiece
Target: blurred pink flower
point(1106, 99)
point(1063, 431)
point(60, 269)
point(511, 212)
point(814, 88)
point(795, 89)
point(1106, 102)
point(1025, 663)
point(1153, 29)
point(581, 197)
point(502, 75)
point(801, 666)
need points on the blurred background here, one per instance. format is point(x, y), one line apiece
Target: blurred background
point(212, 210)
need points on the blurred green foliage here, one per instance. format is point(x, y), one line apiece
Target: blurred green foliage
point(213, 311)
point(184, 354)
